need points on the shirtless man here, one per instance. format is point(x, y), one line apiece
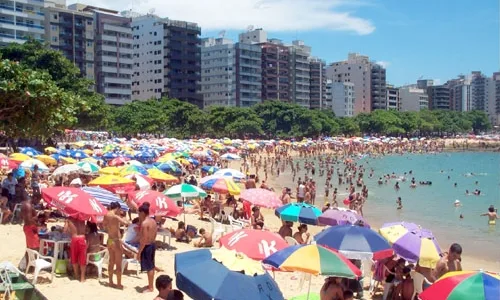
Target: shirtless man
point(78, 254)
point(449, 262)
point(147, 248)
point(205, 239)
point(285, 197)
point(286, 229)
point(332, 289)
point(112, 221)
point(492, 215)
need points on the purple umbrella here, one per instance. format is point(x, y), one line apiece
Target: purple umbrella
point(336, 216)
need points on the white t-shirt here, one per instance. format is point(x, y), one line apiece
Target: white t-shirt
point(301, 191)
point(131, 234)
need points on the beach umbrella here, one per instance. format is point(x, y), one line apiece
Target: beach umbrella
point(51, 150)
point(78, 154)
point(236, 175)
point(49, 160)
point(68, 160)
point(185, 190)
point(127, 170)
point(118, 161)
point(220, 184)
point(30, 151)
point(142, 181)
point(110, 171)
point(230, 156)
point(355, 242)
point(88, 167)
point(298, 212)
point(160, 204)
point(170, 166)
point(31, 163)
point(313, 259)
point(464, 285)
point(8, 164)
point(67, 169)
point(113, 183)
point(135, 163)
point(75, 203)
point(104, 197)
point(193, 161)
point(19, 157)
point(256, 244)
point(412, 243)
point(64, 152)
point(341, 216)
point(110, 155)
point(158, 175)
point(209, 169)
point(207, 274)
point(261, 197)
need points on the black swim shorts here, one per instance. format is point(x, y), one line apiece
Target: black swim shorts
point(148, 258)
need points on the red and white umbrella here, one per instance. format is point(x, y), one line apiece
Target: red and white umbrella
point(8, 164)
point(118, 161)
point(261, 197)
point(75, 203)
point(142, 181)
point(256, 244)
point(160, 204)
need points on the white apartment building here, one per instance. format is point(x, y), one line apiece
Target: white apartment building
point(20, 20)
point(218, 72)
point(253, 36)
point(494, 99)
point(300, 79)
point(342, 98)
point(413, 99)
point(460, 93)
point(148, 75)
point(356, 70)
point(393, 100)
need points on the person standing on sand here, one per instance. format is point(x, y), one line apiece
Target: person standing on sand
point(112, 221)
point(285, 197)
point(147, 248)
point(450, 262)
point(78, 246)
point(492, 215)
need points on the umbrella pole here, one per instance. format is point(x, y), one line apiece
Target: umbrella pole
point(184, 209)
point(309, 288)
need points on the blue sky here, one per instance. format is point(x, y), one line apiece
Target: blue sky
point(435, 39)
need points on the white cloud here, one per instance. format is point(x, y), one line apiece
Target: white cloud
point(384, 64)
point(272, 15)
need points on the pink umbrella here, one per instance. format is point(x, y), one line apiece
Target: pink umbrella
point(256, 244)
point(75, 203)
point(159, 204)
point(261, 197)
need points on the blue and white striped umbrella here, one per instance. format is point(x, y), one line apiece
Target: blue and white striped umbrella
point(230, 156)
point(30, 151)
point(235, 174)
point(105, 197)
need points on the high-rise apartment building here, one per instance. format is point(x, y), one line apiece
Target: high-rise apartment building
point(358, 69)
point(479, 91)
point(494, 99)
point(21, 20)
point(439, 97)
point(275, 71)
point(113, 53)
point(424, 84)
point(393, 101)
point(72, 33)
point(300, 79)
point(317, 87)
point(413, 99)
point(342, 98)
point(460, 93)
point(248, 74)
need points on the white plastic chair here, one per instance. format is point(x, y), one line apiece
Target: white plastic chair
point(99, 264)
point(39, 262)
point(291, 241)
point(131, 261)
point(164, 233)
point(227, 213)
point(236, 224)
point(418, 282)
point(218, 229)
point(15, 211)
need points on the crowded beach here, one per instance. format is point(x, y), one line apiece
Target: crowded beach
point(97, 217)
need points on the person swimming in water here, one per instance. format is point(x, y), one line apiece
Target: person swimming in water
point(492, 215)
point(399, 202)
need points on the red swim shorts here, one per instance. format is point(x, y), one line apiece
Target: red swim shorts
point(78, 250)
point(32, 239)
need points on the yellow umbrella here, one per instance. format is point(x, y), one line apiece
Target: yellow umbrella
point(111, 181)
point(68, 160)
point(237, 261)
point(183, 161)
point(158, 175)
point(88, 151)
point(79, 144)
point(50, 150)
point(19, 157)
point(90, 159)
point(110, 171)
point(48, 160)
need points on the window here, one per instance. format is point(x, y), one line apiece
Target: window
point(55, 16)
point(54, 38)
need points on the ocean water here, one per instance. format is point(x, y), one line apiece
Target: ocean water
point(432, 206)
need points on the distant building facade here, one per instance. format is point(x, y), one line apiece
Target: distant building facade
point(413, 99)
point(342, 98)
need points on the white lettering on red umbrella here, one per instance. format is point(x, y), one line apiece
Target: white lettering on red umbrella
point(66, 196)
point(96, 207)
point(161, 203)
point(267, 248)
point(235, 238)
point(140, 195)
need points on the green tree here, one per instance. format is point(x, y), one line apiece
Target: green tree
point(479, 121)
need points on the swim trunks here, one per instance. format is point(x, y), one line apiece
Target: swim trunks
point(78, 250)
point(32, 239)
point(148, 258)
point(492, 222)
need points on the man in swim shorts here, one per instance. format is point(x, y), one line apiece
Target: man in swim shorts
point(78, 246)
point(492, 215)
point(147, 248)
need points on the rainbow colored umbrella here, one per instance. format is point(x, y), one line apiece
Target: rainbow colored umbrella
point(464, 285)
point(412, 243)
point(132, 169)
point(220, 184)
point(298, 212)
point(209, 169)
point(313, 259)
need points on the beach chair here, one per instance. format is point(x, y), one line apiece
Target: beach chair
point(40, 262)
point(418, 282)
point(165, 233)
point(15, 212)
point(291, 241)
point(131, 261)
point(12, 280)
point(236, 224)
point(226, 213)
point(218, 229)
point(103, 254)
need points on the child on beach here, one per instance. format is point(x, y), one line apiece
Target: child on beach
point(164, 286)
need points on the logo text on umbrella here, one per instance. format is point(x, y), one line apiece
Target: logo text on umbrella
point(141, 195)
point(267, 248)
point(161, 203)
point(96, 207)
point(236, 237)
point(66, 196)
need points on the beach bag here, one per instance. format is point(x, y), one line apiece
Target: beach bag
point(61, 266)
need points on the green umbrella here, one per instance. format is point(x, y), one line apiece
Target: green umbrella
point(88, 167)
point(185, 191)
